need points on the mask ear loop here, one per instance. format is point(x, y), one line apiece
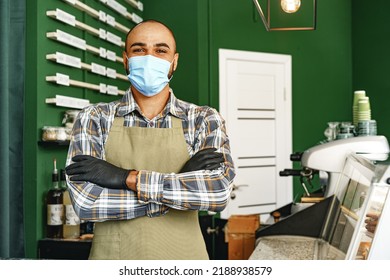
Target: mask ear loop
point(128, 65)
point(173, 71)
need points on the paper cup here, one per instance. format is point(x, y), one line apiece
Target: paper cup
point(363, 105)
point(357, 95)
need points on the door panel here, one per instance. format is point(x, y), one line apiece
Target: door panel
point(253, 138)
point(256, 88)
point(255, 100)
point(254, 186)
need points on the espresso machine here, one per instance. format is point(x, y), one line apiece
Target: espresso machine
point(327, 160)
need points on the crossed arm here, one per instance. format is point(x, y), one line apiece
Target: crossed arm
point(203, 183)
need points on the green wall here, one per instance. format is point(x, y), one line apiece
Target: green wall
point(321, 59)
point(371, 60)
point(351, 38)
point(188, 81)
point(38, 160)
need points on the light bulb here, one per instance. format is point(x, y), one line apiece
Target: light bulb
point(290, 6)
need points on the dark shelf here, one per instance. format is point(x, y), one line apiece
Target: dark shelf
point(63, 249)
point(56, 143)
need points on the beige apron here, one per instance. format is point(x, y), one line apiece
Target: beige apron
point(174, 236)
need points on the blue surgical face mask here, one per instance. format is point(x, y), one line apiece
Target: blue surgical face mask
point(148, 74)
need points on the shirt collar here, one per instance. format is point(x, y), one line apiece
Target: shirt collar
point(128, 105)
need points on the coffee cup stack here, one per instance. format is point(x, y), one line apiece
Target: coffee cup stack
point(359, 95)
point(362, 114)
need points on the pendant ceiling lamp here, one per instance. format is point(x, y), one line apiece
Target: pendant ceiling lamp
point(291, 14)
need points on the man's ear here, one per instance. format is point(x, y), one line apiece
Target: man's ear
point(125, 62)
point(175, 61)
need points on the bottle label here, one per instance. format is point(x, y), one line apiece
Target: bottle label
point(55, 214)
point(71, 217)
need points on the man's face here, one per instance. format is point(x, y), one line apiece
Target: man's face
point(151, 38)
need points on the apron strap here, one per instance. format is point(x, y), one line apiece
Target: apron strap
point(176, 122)
point(118, 122)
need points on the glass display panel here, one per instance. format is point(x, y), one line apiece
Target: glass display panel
point(352, 190)
point(370, 221)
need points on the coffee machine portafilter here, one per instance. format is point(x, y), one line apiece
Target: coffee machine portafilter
point(328, 159)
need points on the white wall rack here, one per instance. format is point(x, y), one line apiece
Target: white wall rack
point(95, 13)
point(64, 80)
point(69, 102)
point(71, 20)
point(119, 8)
point(136, 4)
point(75, 62)
point(79, 43)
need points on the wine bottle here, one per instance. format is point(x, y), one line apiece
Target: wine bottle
point(71, 229)
point(54, 206)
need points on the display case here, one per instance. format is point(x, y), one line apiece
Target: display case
point(347, 225)
point(371, 239)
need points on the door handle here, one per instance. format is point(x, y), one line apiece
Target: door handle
point(236, 187)
point(210, 230)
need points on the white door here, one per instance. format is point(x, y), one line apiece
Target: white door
point(255, 101)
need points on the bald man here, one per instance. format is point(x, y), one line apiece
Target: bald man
point(142, 167)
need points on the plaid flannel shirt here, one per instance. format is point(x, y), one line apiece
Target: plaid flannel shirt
point(203, 127)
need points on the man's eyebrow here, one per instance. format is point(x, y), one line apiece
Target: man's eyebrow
point(162, 45)
point(138, 44)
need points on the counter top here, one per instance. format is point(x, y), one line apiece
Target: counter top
point(282, 247)
point(290, 247)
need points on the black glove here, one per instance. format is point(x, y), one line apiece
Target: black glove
point(206, 159)
point(97, 171)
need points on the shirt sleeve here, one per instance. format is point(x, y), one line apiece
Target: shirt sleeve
point(90, 201)
point(198, 190)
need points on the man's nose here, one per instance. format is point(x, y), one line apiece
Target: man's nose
point(149, 52)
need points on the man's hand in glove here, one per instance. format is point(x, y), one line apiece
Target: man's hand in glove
point(206, 159)
point(97, 171)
